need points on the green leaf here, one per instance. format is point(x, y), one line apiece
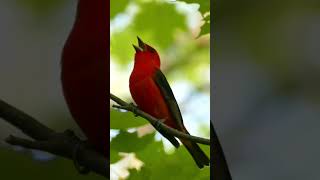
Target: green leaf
point(205, 29)
point(117, 6)
point(145, 173)
point(125, 120)
point(159, 165)
point(114, 156)
point(130, 142)
point(203, 9)
point(204, 6)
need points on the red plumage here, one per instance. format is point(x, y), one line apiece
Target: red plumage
point(84, 72)
point(152, 93)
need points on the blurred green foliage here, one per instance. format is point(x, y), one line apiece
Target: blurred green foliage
point(125, 120)
point(21, 166)
point(185, 56)
point(155, 21)
point(117, 7)
point(158, 164)
point(159, 21)
point(161, 25)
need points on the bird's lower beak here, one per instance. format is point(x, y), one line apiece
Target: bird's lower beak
point(138, 49)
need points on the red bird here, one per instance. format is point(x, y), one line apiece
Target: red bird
point(85, 69)
point(151, 92)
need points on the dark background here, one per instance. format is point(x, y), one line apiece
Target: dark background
point(32, 34)
point(266, 72)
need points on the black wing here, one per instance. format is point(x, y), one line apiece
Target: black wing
point(167, 93)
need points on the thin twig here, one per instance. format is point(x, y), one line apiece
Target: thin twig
point(62, 144)
point(156, 122)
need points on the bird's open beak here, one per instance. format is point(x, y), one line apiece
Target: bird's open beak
point(141, 46)
point(138, 49)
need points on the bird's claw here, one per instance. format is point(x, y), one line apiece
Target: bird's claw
point(134, 109)
point(157, 124)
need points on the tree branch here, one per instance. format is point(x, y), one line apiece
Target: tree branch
point(63, 144)
point(156, 122)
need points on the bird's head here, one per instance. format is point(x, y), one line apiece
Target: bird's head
point(146, 54)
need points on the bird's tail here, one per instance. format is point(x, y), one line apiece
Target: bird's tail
point(198, 155)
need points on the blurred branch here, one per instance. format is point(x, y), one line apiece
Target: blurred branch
point(63, 144)
point(156, 122)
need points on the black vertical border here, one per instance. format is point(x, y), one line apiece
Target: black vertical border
point(107, 30)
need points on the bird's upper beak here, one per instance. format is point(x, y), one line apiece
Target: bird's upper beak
point(141, 47)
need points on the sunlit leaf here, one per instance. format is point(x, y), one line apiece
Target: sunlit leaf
point(204, 9)
point(204, 5)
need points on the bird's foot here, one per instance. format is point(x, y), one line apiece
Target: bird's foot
point(134, 109)
point(75, 153)
point(158, 124)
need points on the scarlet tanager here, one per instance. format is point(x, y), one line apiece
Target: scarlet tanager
point(151, 92)
point(85, 69)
